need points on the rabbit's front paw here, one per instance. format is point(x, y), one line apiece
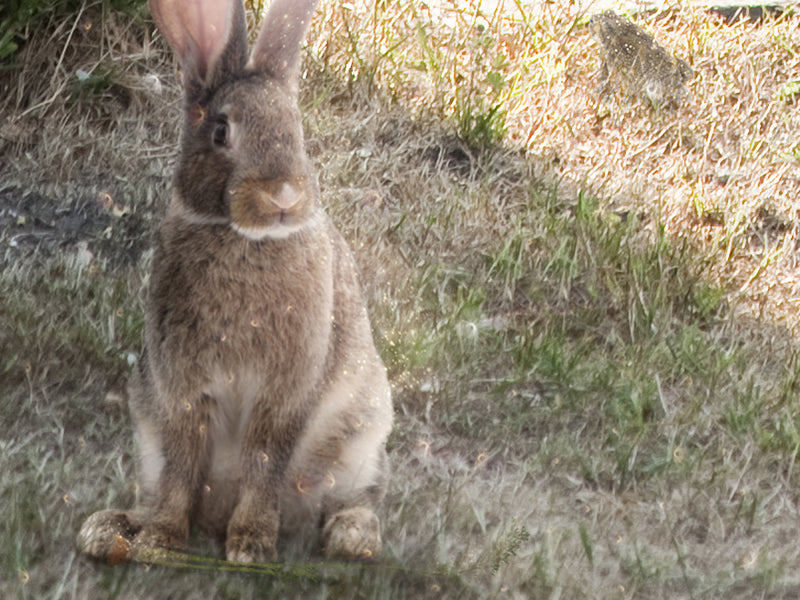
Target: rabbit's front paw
point(250, 547)
point(352, 534)
point(158, 535)
point(252, 534)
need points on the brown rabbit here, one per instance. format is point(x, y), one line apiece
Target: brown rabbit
point(260, 401)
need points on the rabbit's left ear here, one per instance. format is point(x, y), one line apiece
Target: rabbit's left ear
point(209, 37)
point(277, 49)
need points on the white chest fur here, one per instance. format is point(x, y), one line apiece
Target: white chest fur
point(233, 395)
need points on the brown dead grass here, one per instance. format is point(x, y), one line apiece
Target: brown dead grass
point(81, 80)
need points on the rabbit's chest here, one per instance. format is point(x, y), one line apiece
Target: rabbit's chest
point(233, 394)
point(274, 316)
point(240, 320)
point(232, 398)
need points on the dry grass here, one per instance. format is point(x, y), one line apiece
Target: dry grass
point(722, 169)
point(586, 306)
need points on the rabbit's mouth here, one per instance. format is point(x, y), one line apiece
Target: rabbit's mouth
point(270, 209)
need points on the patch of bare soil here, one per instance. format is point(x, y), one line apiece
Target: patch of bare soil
point(32, 223)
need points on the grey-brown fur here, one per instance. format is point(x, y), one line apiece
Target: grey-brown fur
point(260, 401)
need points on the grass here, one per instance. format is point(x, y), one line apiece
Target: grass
point(587, 308)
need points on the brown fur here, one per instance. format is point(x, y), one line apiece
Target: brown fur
point(260, 401)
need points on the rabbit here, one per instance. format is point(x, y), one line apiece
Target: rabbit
point(260, 402)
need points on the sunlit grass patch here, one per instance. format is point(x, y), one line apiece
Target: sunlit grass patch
point(526, 75)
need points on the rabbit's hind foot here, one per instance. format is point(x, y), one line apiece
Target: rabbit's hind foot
point(107, 535)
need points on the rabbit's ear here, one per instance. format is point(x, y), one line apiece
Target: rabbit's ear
point(277, 49)
point(209, 37)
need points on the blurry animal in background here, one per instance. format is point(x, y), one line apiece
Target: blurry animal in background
point(635, 64)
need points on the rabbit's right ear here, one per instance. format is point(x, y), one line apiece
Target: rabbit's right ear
point(209, 37)
point(277, 49)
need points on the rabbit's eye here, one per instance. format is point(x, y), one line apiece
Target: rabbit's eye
point(220, 135)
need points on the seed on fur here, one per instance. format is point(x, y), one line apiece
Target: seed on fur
point(230, 377)
point(331, 480)
point(24, 577)
point(202, 429)
point(481, 458)
point(263, 457)
point(206, 489)
point(255, 323)
point(187, 406)
point(301, 485)
point(67, 499)
point(223, 337)
point(359, 423)
point(289, 309)
point(366, 554)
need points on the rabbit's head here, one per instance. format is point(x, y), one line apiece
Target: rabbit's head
point(242, 160)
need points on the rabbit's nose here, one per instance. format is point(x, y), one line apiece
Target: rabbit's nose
point(285, 199)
